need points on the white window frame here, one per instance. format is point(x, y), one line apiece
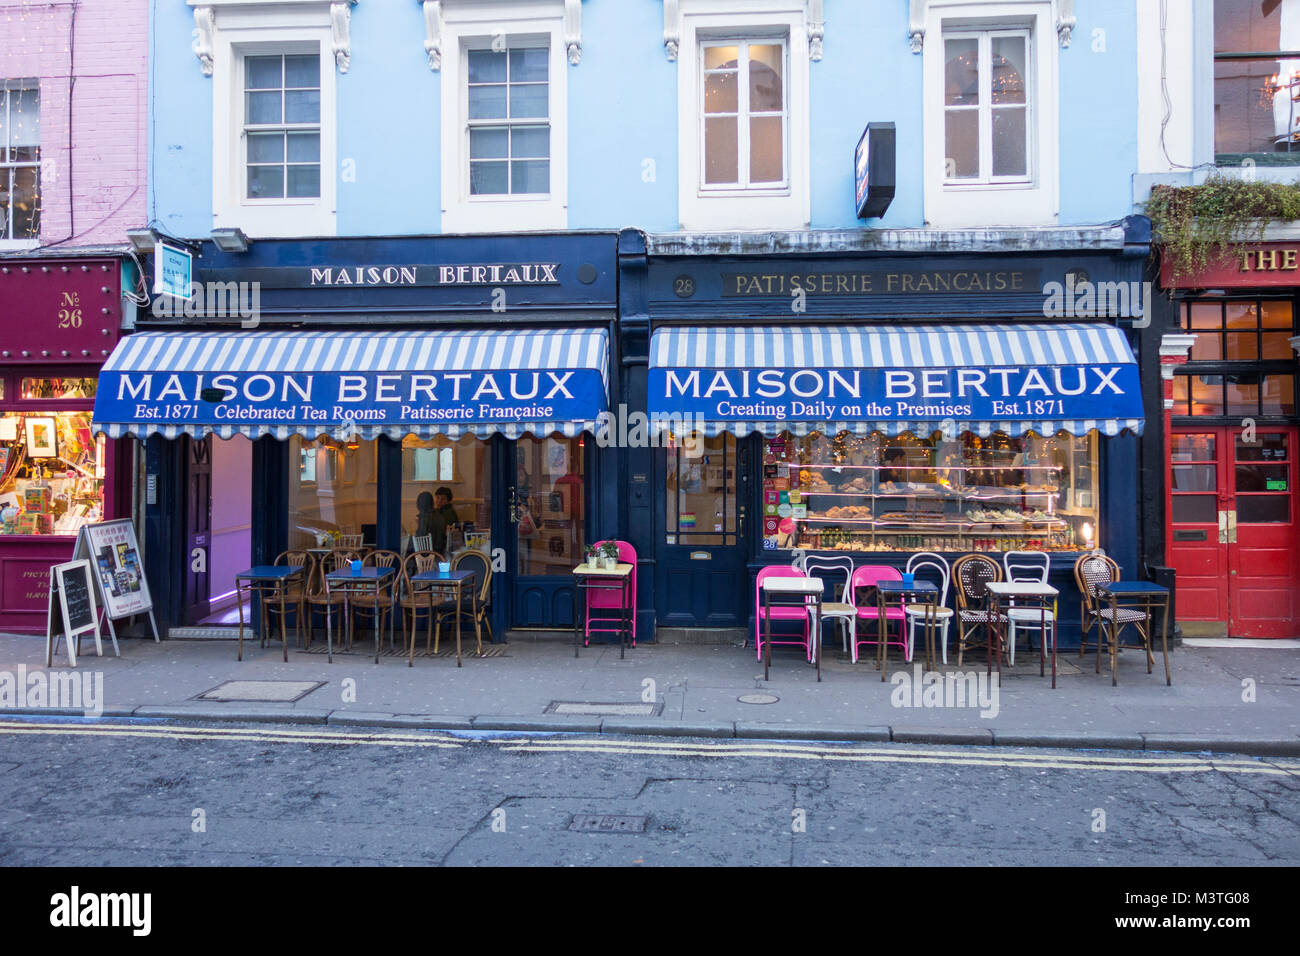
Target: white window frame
point(6, 88)
point(282, 128)
point(1010, 201)
point(744, 187)
point(702, 207)
point(466, 26)
point(986, 108)
point(259, 31)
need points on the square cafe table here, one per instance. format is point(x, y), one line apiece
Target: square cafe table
point(797, 592)
point(1142, 596)
point(920, 592)
point(439, 581)
point(999, 596)
point(600, 578)
point(264, 579)
point(351, 582)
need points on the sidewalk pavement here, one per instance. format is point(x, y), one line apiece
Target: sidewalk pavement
point(1233, 699)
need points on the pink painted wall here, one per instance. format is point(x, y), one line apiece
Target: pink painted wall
point(95, 193)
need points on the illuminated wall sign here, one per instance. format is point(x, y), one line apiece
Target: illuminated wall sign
point(873, 170)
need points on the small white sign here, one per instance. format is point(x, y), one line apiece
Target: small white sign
point(173, 271)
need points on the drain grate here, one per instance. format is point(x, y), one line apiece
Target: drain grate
point(272, 691)
point(607, 823)
point(589, 708)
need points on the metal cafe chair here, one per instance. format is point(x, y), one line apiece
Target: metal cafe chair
point(481, 564)
point(781, 612)
point(926, 562)
point(1090, 572)
point(317, 596)
point(868, 613)
point(970, 573)
point(841, 608)
point(1028, 567)
point(379, 602)
point(289, 596)
point(608, 603)
point(417, 597)
point(421, 542)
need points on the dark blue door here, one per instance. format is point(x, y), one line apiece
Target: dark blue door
point(703, 534)
point(547, 518)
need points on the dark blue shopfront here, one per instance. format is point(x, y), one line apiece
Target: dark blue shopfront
point(879, 401)
point(371, 377)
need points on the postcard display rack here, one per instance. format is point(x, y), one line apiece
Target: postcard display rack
point(874, 493)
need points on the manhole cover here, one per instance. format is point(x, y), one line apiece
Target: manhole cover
point(605, 823)
point(758, 698)
point(274, 691)
point(588, 708)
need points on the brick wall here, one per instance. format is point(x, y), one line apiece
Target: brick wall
point(94, 52)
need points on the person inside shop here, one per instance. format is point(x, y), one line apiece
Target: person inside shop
point(439, 518)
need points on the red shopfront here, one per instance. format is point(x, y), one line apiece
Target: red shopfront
point(1233, 532)
point(59, 320)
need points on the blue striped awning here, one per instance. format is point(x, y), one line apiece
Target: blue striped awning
point(978, 378)
point(355, 384)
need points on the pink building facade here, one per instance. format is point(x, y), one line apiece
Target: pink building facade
point(73, 167)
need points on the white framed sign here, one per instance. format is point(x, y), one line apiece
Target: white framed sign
point(113, 551)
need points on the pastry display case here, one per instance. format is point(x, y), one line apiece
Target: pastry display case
point(930, 493)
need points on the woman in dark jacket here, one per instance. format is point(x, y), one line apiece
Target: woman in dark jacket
point(426, 519)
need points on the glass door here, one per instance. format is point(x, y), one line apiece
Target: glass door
point(547, 510)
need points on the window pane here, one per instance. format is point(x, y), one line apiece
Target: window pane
point(528, 100)
point(1257, 477)
point(720, 56)
point(57, 388)
point(961, 129)
point(1205, 315)
point(766, 145)
point(1009, 158)
point(263, 108)
point(1264, 509)
point(24, 122)
point(1276, 315)
point(304, 147)
point(1241, 315)
point(304, 181)
point(26, 202)
point(529, 65)
point(721, 159)
point(721, 94)
point(1207, 394)
point(1208, 347)
point(1267, 447)
point(342, 500)
point(765, 87)
point(51, 495)
point(490, 178)
point(464, 467)
point(1275, 345)
point(265, 182)
point(1195, 477)
point(1279, 395)
point(1247, 117)
point(530, 141)
point(1241, 347)
point(1191, 447)
point(1243, 398)
point(493, 143)
point(487, 102)
point(1194, 509)
point(1008, 70)
point(302, 106)
point(487, 66)
point(531, 176)
point(266, 147)
point(262, 73)
point(961, 73)
point(302, 71)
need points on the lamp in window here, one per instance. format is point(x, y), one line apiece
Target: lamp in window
point(1086, 530)
point(230, 240)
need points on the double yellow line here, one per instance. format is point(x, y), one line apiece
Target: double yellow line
point(764, 749)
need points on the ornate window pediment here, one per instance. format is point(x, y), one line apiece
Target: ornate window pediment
point(211, 15)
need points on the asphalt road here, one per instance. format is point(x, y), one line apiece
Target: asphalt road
point(119, 792)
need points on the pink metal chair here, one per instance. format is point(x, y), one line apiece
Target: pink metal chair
point(610, 601)
point(785, 613)
point(868, 614)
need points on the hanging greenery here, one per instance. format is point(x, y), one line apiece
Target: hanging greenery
point(1200, 225)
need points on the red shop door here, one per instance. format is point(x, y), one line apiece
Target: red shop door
point(1233, 530)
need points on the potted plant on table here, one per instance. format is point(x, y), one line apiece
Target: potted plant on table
point(609, 551)
point(591, 555)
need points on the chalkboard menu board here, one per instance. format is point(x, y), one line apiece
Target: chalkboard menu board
point(76, 610)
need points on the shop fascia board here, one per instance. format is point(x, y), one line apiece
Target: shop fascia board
point(848, 241)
